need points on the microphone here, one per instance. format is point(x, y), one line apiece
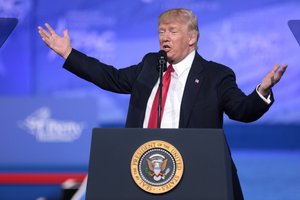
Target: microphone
point(162, 67)
point(162, 61)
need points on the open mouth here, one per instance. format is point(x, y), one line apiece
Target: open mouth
point(166, 48)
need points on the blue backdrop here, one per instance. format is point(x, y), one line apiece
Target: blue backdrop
point(248, 37)
point(39, 99)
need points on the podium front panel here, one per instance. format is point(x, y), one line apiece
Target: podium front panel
point(207, 164)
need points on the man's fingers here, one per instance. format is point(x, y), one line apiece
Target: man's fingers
point(278, 72)
point(275, 68)
point(66, 33)
point(50, 29)
point(43, 33)
point(284, 67)
point(46, 40)
point(45, 36)
point(273, 77)
point(281, 71)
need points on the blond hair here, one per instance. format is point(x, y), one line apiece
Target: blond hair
point(184, 16)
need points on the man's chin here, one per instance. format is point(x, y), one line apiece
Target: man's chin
point(169, 54)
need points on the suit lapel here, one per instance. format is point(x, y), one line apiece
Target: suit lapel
point(191, 90)
point(147, 80)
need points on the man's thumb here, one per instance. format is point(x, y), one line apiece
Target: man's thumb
point(66, 33)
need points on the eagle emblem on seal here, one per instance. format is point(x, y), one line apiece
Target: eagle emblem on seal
point(157, 165)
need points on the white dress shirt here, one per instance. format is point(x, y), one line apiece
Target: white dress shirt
point(170, 118)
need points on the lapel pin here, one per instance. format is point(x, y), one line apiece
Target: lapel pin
point(196, 80)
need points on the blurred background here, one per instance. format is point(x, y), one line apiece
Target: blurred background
point(47, 114)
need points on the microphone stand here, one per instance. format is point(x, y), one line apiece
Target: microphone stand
point(161, 68)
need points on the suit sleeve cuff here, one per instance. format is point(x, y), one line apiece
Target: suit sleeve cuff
point(267, 100)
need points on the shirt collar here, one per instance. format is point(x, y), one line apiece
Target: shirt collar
point(185, 64)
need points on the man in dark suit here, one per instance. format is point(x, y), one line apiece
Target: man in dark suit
point(199, 93)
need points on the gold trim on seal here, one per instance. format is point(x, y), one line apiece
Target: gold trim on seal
point(135, 161)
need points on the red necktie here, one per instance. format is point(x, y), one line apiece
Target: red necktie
point(154, 110)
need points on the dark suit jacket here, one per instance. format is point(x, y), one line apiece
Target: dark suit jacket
point(210, 91)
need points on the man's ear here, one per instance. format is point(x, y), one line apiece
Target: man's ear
point(193, 38)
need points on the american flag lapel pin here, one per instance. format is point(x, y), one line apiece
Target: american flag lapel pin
point(196, 80)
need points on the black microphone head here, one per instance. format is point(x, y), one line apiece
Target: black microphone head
point(162, 60)
point(162, 54)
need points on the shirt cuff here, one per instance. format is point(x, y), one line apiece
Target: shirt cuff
point(267, 100)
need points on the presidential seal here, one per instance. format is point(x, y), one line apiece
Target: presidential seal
point(157, 167)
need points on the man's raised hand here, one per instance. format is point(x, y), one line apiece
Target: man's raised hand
point(60, 44)
point(271, 79)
